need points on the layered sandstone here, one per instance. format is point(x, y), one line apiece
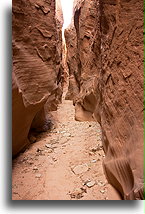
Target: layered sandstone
point(106, 67)
point(121, 96)
point(81, 37)
point(36, 67)
point(72, 62)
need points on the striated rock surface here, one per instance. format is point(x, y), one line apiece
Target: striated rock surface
point(59, 24)
point(36, 61)
point(81, 37)
point(120, 105)
point(105, 60)
point(72, 62)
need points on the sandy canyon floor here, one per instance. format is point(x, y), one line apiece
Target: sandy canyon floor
point(64, 163)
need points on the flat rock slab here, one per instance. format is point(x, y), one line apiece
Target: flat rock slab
point(66, 135)
point(80, 169)
point(90, 184)
point(38, 176)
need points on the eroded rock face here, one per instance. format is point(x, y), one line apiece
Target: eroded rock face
point(109, 76)
point(36, 63)
point(121, 101)
point(81, 38)
point(59, 24)
point(72, 62)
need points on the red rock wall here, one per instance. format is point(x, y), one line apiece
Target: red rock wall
point(82, 61)
point(121, 83)
point(36, 64)
point(110, 74)
point(73, 58)
point(72, 62)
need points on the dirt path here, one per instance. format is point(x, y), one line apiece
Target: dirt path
point(65, 164)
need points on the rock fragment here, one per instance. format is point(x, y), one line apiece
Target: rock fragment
point(102, 191)
point(80, 169)
point(48, 146)
point(93, 161)
point(78, 193)
point(101, 184)
point(66, 135)
point(90, 184)
point(32, 139)
point(38, 176)
point(35, 168)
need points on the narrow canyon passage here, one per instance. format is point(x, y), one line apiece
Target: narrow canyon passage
point(95, 75)
point(66, 162)
point(63, 164)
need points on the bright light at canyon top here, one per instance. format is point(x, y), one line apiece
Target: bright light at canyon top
point(67, 8)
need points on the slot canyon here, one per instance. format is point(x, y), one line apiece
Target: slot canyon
point(77, 100)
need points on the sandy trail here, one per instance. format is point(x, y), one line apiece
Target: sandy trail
point(64, 164)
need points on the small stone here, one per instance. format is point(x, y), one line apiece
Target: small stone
point(94, 149)
point(30, 162)
point(35, 168)
point(38, 176)
point(77, 193)
point(24, 159)
point(39, 150)
point(32, 139)
point(90, 184)
point(94, 161)
point(54, 159)
point(84, 189)
point(53, 131)
point(102, 191)
point(80, 169)
point(50, 150)
point(63, 132)
point(85, 182)
point(101, 184)
point(91, 153)
point(66, 135)
point(48, 145)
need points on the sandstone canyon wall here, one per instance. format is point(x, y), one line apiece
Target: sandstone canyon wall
point(105, 60)
point(71, 58)
point(81, 38)
point(36, 67)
